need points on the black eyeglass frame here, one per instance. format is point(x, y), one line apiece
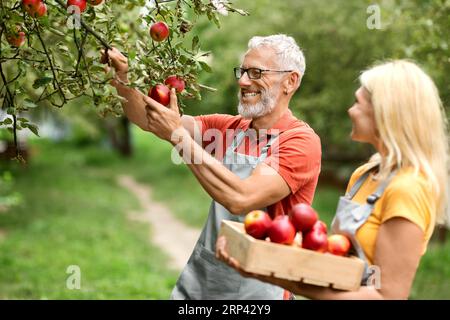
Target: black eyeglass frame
point(245, 70)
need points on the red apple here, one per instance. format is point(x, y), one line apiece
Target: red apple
point(175, 82)
point(303, 217)
point(160, 93)
point(282, 231)
point(95, 2)
point(16, 38)
point(338, 244)
point(315, 240)
point(35, 8)
point(257, 224)
point(320, 226)
point(159, 31)
point(30, 6)
point(82, 4)
point(41, 10)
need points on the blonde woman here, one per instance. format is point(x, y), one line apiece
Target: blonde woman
point(393, 201)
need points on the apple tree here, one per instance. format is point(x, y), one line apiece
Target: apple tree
point(50, 52)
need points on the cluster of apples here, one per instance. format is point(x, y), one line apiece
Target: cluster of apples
point(161, 92)
point(37, 9)
point(159, 31)
point(34, 8)
point(302, 219)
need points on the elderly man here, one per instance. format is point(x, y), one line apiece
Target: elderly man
point(264, 158)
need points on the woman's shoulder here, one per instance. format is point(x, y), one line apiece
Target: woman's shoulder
point(409, 196)
point(409, 179)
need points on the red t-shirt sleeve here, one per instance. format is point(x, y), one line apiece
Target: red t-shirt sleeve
point(215, 121)
point(296, 156)
point(219, 122)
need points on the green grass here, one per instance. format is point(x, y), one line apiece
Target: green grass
point(433, 276)
point(173, 184)
point(74, 214)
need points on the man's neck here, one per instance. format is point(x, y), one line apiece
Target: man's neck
point(269, 120)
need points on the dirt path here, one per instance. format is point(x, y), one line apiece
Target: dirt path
point(167, 232)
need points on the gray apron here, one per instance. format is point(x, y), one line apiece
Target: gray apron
point(350, 215)
point(205, 277)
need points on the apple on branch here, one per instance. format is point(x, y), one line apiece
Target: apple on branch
point(16, 38)
point(82, 4)
point(35, 8)
point(159, 31)
point(160, 93)
point(95, 2)
point(175, 82)
point(257, 224)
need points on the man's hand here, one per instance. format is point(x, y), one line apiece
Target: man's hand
point(163, 121)
point(118, 61)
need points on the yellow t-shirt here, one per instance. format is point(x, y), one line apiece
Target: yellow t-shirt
point(407, 196)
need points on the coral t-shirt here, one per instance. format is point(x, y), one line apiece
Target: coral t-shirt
point(407, 196)
point(295, 154)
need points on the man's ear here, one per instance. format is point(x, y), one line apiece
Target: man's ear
point(293, 82)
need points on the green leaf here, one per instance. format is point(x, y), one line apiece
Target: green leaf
point(205, 66)
point(41, 82)
point(195, 44)
point(27, 103)
point(33, 128)
point(7, 121)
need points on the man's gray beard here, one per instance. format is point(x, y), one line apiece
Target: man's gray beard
point(263, 107)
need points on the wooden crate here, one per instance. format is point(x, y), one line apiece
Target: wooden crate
point(291, 262)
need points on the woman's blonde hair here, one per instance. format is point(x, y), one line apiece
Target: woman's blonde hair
point(411, 123)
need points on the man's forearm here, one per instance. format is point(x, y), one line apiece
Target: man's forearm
point(221, 184)
point(133, 106)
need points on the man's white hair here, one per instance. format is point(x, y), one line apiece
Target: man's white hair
point(290, 55)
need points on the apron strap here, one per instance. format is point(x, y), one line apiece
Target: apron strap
point(265, 149)
point(241, 135)
point(357, 185)
point(373, 198)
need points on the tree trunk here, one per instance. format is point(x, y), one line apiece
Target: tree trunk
point(442, 232)
point(119, 132)
point(126, 148)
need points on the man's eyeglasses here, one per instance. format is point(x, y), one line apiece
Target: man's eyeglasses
point(253, 73)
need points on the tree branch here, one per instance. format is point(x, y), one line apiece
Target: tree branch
point(88, 28)
point(55, 79)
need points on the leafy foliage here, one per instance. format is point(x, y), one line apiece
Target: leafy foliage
point(60, 61)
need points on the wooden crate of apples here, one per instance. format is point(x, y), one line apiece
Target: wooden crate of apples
point(294, 247)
